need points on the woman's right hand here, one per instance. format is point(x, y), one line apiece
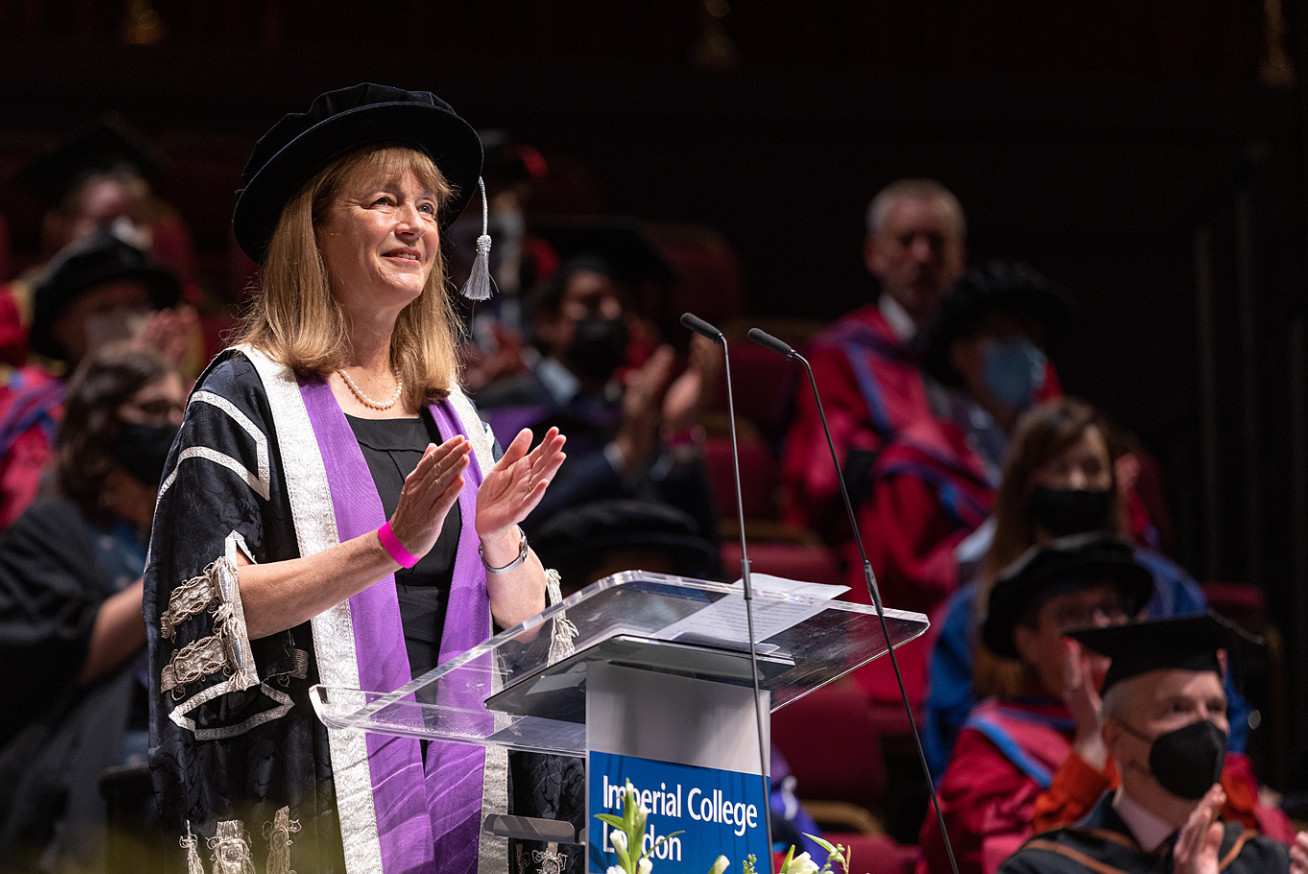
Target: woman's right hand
point(428, 494)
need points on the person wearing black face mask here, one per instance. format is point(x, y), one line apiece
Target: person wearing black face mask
point(1060, 478)
point(70, 611)
point(615, 411)
point(1164, 724)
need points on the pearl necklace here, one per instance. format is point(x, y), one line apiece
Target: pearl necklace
point(369, 402)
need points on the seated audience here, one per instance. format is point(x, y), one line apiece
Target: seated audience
point(1029, 756)
point(95, 179)
point(867, 363)
point(70, 612)
point(99, 289)
point(1058, 480)
point(624, 423)
point(1164, 726)
point(933, 484)
point(1010, 746)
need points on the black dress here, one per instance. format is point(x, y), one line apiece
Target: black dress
point(548, 787)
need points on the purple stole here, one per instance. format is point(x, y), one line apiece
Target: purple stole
point(428, 816)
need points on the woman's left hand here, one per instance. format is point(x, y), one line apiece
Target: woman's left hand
point(517, 482)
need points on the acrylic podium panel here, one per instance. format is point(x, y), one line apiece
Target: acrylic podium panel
point(518, 691)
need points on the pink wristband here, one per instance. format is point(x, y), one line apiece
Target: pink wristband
point(394, 548)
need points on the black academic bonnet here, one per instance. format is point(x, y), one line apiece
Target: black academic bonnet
point(338, 122)
point(1065, 565)
point(999, 285)
point(1189, 643)
point(107, 146)
point(81, 266)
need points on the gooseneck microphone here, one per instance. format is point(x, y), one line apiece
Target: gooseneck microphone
point(704, 329)
point(766, 340)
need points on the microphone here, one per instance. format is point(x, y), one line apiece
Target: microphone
point(766, 340)
point(704, 329)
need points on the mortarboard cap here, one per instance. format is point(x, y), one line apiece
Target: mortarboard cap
point(1188, 643)
point(1065, 565)
point(107, 146)
point(619, 243)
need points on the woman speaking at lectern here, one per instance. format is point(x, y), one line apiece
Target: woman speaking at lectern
point(332, 511)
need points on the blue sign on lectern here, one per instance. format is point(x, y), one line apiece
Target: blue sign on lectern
point(717, 812)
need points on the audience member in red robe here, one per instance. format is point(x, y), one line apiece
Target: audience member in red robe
point(99, 289)
point(1010, 748)
point(1036, 760)
point(95, 179)
point(867, 362)
point(933, 484)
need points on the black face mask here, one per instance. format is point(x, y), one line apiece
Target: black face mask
point(1062, 512)
point(143, 450)
point(1188, 761)
point(598, 348)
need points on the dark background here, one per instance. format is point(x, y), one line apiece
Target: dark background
point(1148, 154)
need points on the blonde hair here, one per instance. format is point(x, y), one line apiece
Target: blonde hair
point(295, 319)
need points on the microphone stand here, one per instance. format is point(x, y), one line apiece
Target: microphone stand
point(703, 328)
point(763, 338)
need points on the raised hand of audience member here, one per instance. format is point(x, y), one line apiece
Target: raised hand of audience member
point(637, 436)
point(1082, 698)
point(1200, 838)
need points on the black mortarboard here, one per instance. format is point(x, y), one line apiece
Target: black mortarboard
point(620, 243)
point(84, 264)
point(107, 146)
point(337, 122)
point(999, 285)
point(1065, 565)
point(1188, 642)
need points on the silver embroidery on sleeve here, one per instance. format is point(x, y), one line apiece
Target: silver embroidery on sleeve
point(278, 835)
point(191, 598)
point(195, 661)
point(563, 632)
point(230, 849)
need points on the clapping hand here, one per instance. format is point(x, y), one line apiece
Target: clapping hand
point(517, 482)
point(429, 492)
point(1200, 839)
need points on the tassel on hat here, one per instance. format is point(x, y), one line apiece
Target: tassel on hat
point(480, 286)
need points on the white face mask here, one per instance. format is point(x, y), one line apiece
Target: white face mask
point(112, 325)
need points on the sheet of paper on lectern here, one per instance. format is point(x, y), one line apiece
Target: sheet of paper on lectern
point(724, 622)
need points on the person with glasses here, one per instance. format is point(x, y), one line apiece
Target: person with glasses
point(335, 511)
point(71, 571)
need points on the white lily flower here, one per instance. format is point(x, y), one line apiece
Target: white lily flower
point(644, 866)
point(618, 840)
point(802, 864)
point(614, 869)
point(720, 865)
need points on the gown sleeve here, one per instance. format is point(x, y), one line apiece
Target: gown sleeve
point(223, 707)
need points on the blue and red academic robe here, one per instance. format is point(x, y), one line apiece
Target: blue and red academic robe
point(871, 388)
point(930, 490)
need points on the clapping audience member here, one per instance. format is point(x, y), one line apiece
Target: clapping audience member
point(624, 421)
point(1059, 480)
point(96, 179)
point(1163, 728)
point(98, 289)
point(70, 612)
